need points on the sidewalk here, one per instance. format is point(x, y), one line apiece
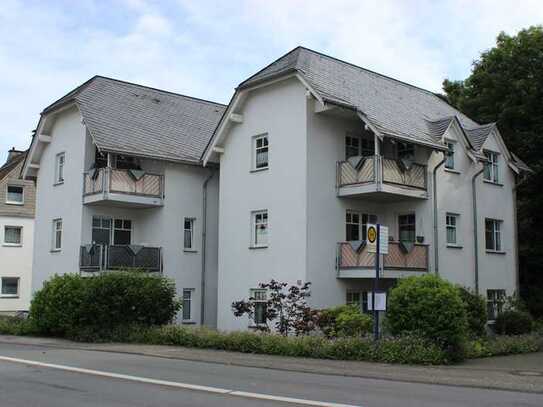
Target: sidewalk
point(516, 373)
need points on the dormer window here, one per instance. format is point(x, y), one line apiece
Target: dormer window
point(491, 167)
point(449, 156)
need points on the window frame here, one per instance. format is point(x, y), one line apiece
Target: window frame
point(16, 295)
point(493, 167)
point(11, 244)
point(496, 231)
point(190, 299)
point(256, 150)
point(496, 299)
point(56, 231)
point(400, 224)
point(452, 226)
point(363, 220)
point(450, 155)
point(191, 221)
point(255, 300)
point(254, 235)
point(9, 201)
point(60, 164)
point(121, 229)
point(403, 148)
point(362, 302)
point(102, 218)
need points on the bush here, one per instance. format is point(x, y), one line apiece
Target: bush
point(504, 345)
point(16, 326)
point(83, 307)
point(475, 307)
point(432, 308)
point(343, 320)
point(513, 322)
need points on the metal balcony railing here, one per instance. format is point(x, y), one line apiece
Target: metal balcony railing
point(130, 182)
point(114, 257)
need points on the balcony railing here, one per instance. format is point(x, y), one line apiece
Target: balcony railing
point(129, 182)
point(380, 170)
point(399, 257)
point(114, 257)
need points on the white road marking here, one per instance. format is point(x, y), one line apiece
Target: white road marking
point(187, 386)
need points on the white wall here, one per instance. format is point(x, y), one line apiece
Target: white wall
point(16, 261)
point(279, 111)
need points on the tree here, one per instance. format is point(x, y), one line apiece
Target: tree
point(506, 86)
point(286, 307)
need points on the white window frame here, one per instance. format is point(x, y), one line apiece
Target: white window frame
point(450, 154)
point(255, 224)
point(11, 244)
point(188, 297)
point(191, 222)
point(10, 202)
point(400, 215)
point(2, 295)
point(255, 151)
point(102, 218)
point(496, 231)
point(363, 220)
point(491, 171)
point(259, 295)
point(60, 164)
point(122, 229)
point(495, 301)
point(362, 302)
point(364, 146)
point(452, 221)
point(56, 231)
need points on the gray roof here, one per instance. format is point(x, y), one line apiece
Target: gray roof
point(128, 118)
point(395, 108)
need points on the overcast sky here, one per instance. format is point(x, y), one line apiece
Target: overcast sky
point(205, 48)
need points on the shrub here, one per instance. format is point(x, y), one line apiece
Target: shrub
point(16, 326)
point(513, 322)
point(503, 345)
point(432, 308)
point(475, 307)
point(343, 320)
point(87, 307)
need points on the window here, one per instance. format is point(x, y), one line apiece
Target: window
point(13, 235)
point(452, 223)
point(15, 195)
point(495, 299)
point(405, 151)
point(59, 171)
point(188, 237)
point(122, 232)
point(356, 225)
point(493, 234)
point(100, 159)
point(10, 287)
point(57, 234)
point(407, 227)
point(187, 304)
point(260, 228)
point(126, 162)
point(260, 152)
point(355, 146)
point(360, 299)
point(449, 161)
point(259, 298)
point(101, 230)
point(491, 167)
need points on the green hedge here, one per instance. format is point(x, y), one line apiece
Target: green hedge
point(72, 306)
point(513, 322)
point(504, 345)
point(343, 321)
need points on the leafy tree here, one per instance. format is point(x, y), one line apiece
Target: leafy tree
point(286, 307)
point(506, 86)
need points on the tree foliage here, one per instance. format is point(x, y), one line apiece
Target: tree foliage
point(506, 86)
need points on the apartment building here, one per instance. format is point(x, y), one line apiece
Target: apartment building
point(17, 203)
point(281, 184)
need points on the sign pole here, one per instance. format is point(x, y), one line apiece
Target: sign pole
point(376, 284)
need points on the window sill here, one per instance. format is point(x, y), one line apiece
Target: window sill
point(497, 184)
point(55, 250)
point(454, 246)
point(188, 322)
point(15, 203)
point(58, 183)
point(495, 252)
point(9, 296)
point(258, 247)
point(452, 171)
point(259, 169)
point(190, 251)
point(12, 245)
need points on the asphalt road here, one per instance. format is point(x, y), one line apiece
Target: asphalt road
point(31, 384)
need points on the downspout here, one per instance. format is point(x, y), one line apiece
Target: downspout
point(475, 232)
point(204, 237)
point(436, 233)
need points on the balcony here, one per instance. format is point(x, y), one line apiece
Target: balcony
point(399, 262)
point(93, 258)
point(127, 188)
point(380, 177)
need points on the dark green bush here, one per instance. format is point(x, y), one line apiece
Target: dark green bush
point(503, 345)
point(343, 320)
point(17, 326)
point(432, 308)
point(475, 307)
point(513, 322)
point(86, 307)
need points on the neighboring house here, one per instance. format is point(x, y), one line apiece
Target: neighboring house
point(312, 149)
point(17, 203)
point(309, 151)
point(120, 185)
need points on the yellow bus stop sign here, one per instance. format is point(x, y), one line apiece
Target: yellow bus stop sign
point(372, 234)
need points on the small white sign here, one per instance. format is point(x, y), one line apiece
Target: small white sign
point(372, 239)
point(380, 301)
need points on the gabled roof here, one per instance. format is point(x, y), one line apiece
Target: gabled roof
point(392, 107)
point(11, 165)
point(123, 117)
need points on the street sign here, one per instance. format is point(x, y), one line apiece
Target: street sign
point(372, 239)
point(380, 301)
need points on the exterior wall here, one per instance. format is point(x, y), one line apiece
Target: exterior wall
point(29, 195)
point(278, 110)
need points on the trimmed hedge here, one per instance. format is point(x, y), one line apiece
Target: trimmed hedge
point(73, 306)
point(504, 345)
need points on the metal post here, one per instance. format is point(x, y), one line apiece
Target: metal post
point(376, 284)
